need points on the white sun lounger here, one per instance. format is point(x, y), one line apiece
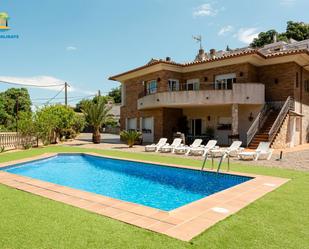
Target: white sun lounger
point(171, 148)
point(186, 149)
point(226, 152)
point(156, 147)
point(233, 150)
point(262, 152)
point(203, 150)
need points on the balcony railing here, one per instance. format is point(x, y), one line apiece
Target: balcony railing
point(189, 87)
point(204, 94)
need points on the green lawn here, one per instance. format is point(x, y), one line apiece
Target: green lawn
point(278, 220)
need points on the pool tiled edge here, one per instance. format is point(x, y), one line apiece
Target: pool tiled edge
point(182, 223)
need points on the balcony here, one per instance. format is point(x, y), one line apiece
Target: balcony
point(237, 93)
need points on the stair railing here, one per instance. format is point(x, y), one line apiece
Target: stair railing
point(257, 123)
point(289, 105)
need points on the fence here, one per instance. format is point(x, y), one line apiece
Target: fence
point(13, 140)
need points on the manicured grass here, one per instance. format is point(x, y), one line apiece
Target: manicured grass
point(278, 220)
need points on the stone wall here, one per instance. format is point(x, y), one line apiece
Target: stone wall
point(282, 138)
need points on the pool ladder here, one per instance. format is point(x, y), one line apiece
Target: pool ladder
point(220, 162)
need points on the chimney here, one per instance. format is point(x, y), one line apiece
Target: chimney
point(168, 58)
point(212, 53)
point(275, 38)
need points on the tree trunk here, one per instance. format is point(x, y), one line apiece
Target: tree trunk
point(96, 136)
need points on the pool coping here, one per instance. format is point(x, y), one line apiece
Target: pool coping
point(182, 223)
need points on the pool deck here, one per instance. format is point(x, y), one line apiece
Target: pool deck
point(182, 223)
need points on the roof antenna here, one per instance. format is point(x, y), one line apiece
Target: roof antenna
point(198, 38)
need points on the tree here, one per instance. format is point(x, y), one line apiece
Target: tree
point(13, 101)
point(297, 30)
point(54, 122)
point(115, 93)
point(5, 16)
point(267, 38)
point(97, 114)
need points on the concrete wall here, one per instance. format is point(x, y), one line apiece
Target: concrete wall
point(251, 93)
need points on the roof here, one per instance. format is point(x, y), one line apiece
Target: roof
point(264, 53)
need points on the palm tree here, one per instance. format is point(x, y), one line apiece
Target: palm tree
point(4, 16)
point(97, 114)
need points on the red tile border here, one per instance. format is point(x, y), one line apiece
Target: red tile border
point(182, 223)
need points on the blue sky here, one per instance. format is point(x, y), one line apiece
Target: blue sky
point(84, 42)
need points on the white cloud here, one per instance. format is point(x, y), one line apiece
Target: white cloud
point(224, 30)
point(287, 2)
point(46, 82)
point(205, 9)
point(71, 48)
point(246, 35)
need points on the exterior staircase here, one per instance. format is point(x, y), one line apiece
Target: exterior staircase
point(262, 134)
point(268, 122)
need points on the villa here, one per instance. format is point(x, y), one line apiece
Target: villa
point(248, 94)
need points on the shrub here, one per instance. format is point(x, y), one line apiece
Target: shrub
point(130, 137)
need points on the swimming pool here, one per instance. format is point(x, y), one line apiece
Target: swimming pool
point(152, 185)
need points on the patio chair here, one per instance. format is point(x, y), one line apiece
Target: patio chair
point(171, 148)
point(262, 152)
point(186, 149)
point(156, 147)
point(203, 150)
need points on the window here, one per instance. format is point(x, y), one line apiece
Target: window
point(306, 85)
point(193, 85)
point(196, 127)
point(151, 86)
point(131, 124)
point(225, 81)
point(173, 85)
point(224, 123)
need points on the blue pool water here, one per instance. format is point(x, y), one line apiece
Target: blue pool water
point(165, 188)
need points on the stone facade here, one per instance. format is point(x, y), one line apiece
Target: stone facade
point(282, 139)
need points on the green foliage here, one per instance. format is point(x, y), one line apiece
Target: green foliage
point(80, 105)
point(130, 137)
point(27, 128)
point(267, 38)
point(296, 30)
point(97, 114)
point(13, 101)
point(115, 93)
point(57, 122)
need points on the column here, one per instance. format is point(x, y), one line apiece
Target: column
point(235, 119)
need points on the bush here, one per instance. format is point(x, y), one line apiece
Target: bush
point(130, 137)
